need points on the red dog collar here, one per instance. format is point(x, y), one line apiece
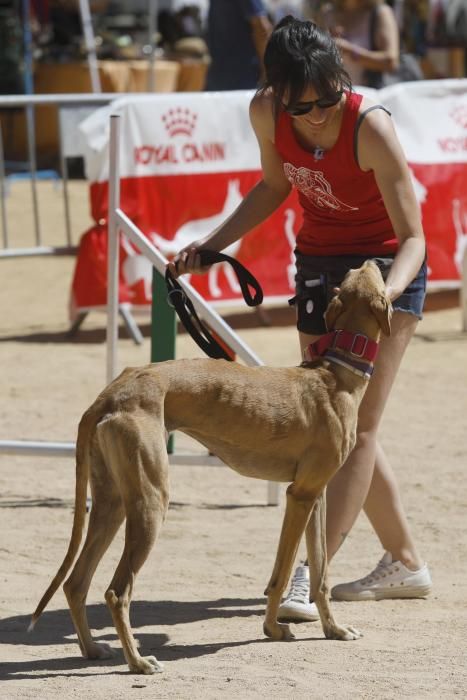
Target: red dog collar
point(360, 351)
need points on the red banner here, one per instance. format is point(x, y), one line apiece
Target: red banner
point(166, 204)
point(187, 160)
point(442, 192)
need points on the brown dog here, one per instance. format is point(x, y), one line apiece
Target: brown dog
point(290, 425)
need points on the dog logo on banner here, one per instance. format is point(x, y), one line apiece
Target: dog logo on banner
point(137, 268)
point(193, 230)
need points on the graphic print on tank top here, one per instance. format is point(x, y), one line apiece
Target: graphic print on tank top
point(315, 187)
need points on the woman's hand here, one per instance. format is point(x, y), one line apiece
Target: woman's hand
point(188, 260)
point(392, 293)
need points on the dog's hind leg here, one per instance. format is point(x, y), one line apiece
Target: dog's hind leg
point(105, 518)
point(140, 462)
point(317, 561)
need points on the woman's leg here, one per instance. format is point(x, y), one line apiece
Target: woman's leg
point(354, 485)
point(384, 510)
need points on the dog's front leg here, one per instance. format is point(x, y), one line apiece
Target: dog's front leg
point(298, 507)
point(317, 561)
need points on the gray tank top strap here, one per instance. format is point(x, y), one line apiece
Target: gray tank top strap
point(358, 125)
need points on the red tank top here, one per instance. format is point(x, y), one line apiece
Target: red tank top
point(343, 211)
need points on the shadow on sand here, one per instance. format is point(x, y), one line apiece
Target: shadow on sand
point(55, 628)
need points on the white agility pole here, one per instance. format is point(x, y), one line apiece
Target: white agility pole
point(113, 248)
point(41, 448)
point(118, 221)
point(216, 322)
point(44, 448)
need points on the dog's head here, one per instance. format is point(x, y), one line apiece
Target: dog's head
point(361, 304)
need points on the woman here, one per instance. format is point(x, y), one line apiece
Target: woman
point(342, 154)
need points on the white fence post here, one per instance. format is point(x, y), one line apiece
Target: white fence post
point(112, 249)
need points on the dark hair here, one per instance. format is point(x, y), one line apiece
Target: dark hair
point(298, 55)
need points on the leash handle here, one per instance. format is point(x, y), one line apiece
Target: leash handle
point(244, 276)
point(187, 312)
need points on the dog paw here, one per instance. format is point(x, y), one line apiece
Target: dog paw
point(99, 651)
point(344, 633)
point(147, 665)
point(278, 631)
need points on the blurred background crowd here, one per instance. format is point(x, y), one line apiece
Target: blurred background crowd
point(228, 35)
point(193, 45)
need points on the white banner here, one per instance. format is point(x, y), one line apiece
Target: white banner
point(430, 117)
point(175, 133)
point(182, 133)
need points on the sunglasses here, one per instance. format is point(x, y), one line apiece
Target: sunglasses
point(301, 108)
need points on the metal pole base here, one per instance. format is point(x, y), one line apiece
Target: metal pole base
point(131, 325)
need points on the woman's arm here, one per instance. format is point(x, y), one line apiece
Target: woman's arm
point(379, 150)
point(265, 197)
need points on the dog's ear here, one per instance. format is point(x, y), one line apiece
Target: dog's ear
point(333, 312)
point(382, 309)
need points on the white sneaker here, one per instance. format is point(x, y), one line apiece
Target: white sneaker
point(390, 579)
point(296, 606)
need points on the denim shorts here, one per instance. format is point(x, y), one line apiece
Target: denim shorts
point(318, 275)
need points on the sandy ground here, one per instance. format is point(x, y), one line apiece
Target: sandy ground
point(199, 599)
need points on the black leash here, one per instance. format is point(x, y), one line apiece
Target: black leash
point(186, 312)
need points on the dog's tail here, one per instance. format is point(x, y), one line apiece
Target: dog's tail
point(82, 477)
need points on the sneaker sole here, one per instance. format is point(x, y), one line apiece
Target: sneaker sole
point(289, 615)
point(385, 593)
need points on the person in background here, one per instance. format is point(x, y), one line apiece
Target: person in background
point(413, 26)
point(237, 33)
point(278, 9)
point(66, 23)
point(340, 151)
point(367, 35)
